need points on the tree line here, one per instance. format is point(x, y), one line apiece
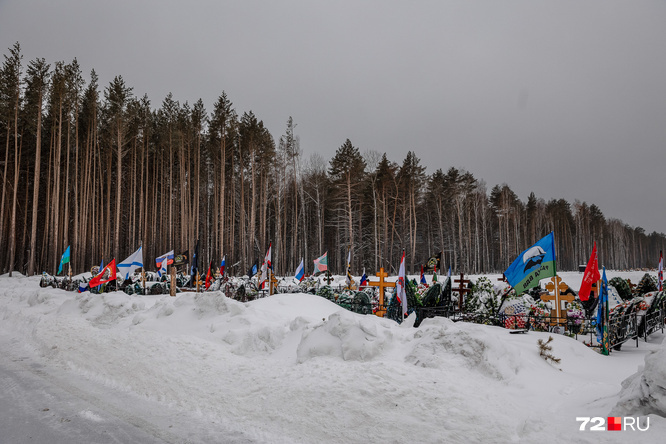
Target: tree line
point(105, 171)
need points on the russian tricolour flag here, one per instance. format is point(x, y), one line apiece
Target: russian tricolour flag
point(300, 272)
point(163, 261)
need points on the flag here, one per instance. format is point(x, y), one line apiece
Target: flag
point(253, 269)
point(533, 264)
point(83, 287)
point(449, 273)
point(63, 260)
point(130, 264)
point(163, 261)
point(265, 266)
point(269, 264)
point(300, 272)
point(401, 294)
point(321, 263)
point(194, 268)
point(350, 280)
point(364, 280)
point(209, 276)
point(223, 265)
point(181, 258)
point(100, 278)
point(602, 316)
point(661, 272)
point(433, 262)
point(423, 279)
point(590, 276)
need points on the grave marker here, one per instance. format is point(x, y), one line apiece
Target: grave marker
point(382, 284)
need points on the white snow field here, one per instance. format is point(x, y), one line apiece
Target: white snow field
point(296, 368)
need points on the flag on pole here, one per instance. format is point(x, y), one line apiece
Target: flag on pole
point(265, 267)
point(223, 264)
point(533, 264)
point(209, 275)
point(449, 273)
point(321, 263)
point(401, 294)
point(602, 316)
point(130, 264)
point(300, 272)
point(253, 269)
point(163, 261)
point(423, 279)
point(64, 259)
point(364, 280)
point(350, 280)
point(102, 278)
point(195, 265)
point(269, 264)
point(590, 276)
point(181, 258)
point(661, 272)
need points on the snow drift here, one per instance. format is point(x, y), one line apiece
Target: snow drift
point(298, 368)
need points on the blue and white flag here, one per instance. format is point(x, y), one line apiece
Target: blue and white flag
point(163, 261)
point(300, 272)
point(532, 265)
point(130, 264)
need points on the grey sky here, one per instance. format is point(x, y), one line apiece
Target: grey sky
point(563, 98)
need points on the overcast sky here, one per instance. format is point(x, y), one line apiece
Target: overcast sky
point(563, 98)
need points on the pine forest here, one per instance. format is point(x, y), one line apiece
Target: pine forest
point(98, 168)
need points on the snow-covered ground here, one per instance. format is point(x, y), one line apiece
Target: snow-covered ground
point(297, 368)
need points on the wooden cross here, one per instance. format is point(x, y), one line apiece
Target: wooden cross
point(143, 279)
point(382, 284)
point(272, 283)
point(198, 282)
point(556, 286)
point(172, 287)
point(462, 290)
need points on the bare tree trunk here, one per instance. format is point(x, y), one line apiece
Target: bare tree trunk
point(35, 192)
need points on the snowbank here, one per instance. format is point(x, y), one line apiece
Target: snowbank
point(298, 368)
point(644, 393)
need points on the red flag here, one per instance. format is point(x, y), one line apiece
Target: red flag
point(209, 277)
point(590, 276)
point(99, 279)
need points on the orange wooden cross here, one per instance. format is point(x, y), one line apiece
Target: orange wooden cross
point(556, 286)
point(382, 284)
point(273, 284)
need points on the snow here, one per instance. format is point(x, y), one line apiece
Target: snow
point(296, 368)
